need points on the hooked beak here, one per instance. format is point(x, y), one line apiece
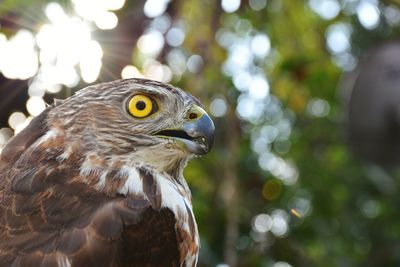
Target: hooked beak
point(196, 134)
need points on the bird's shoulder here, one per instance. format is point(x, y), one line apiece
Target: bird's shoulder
point(23, 140)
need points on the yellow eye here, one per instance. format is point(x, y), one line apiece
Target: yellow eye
point(141, 106)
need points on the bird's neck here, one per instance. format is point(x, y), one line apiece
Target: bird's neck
point(121, 176)
point(108, 173)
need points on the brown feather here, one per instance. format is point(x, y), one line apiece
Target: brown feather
point(150, 188)
point(53, 214)
point(19, 143)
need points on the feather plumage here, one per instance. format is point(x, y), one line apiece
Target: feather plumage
point(86, 185)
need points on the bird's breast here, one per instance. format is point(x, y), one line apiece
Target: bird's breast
point(160, 190)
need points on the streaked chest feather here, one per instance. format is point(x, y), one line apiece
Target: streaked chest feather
point(114, 177)
point(161, 190)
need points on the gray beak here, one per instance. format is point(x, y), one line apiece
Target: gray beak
point(201, 129)
point(196, 133)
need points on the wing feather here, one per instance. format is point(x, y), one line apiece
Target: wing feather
point(21, 142)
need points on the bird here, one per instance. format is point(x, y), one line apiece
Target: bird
point(97, 179)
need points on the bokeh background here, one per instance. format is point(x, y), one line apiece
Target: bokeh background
point(282, 187)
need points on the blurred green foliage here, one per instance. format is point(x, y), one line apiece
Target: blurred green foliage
point(351, 216)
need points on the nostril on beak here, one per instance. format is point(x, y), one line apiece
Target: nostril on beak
point(193, 116)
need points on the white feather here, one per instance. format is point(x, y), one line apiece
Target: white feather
point(102, 180)
point(51, 134)
point(173, 200)
point(133, 184)
point(63, 261)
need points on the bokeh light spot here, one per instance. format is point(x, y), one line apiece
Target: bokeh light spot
point(260, 45)
point(18, 56)
point(93, 10)
point(112, 4)
point(90, 63)
point(243, 242)
point(318, 107)
point(175, 37)
point(54, 12)
point(392, 15)
point(176, 59)
point(130, 72)
point(338, 38)
point(230, 6)
point(35, 105)
point(257, 5)
point(107, 21)
point(194, 63)
point(368, 14)
point(327, 9)
point(16, 119)
point(371, 209)
point(218, 107)
point(279, 223)
point(155, 8)
point(262, 223)
point(151, 43)
point(272, 189)
point(259, 87)
point(242, 80)
point(281, 264)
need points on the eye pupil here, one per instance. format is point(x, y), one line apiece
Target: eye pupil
point(140, 105)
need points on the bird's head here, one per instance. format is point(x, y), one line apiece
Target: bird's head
point(136, 121)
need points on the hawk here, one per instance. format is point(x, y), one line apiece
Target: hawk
point(97, 180)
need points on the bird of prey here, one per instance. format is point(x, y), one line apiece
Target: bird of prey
point(96, 180)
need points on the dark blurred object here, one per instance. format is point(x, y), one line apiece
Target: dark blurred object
point(373, 91)
point(13, 95)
